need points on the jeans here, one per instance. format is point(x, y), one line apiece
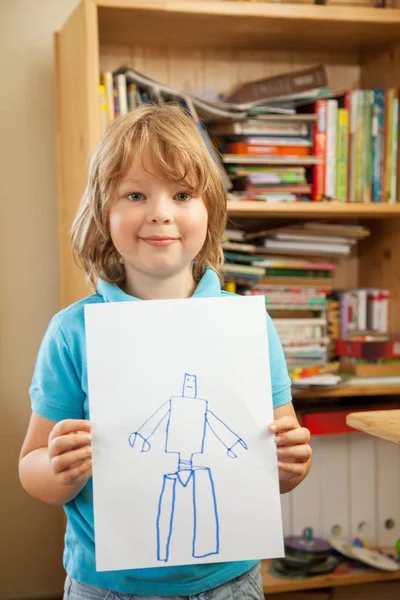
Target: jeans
point(245, 587)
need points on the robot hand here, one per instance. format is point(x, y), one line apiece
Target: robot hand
point(231, 454)
point(132, 440)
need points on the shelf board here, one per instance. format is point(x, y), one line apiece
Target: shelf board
point(348, 391)
point(320, 210)
point(273, 584)
point(384, 424)
point(247, 25)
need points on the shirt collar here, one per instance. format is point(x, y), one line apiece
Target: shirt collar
point(208, 287)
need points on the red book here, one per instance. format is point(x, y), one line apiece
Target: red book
point(319, 148)
point(243, 148)
point(369, 350)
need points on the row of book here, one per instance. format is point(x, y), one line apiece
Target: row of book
point(345, 149)
point(285, 138)
point(356, 138)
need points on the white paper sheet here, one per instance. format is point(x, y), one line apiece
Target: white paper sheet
point(184, 467)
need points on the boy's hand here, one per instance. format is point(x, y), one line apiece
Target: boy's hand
point(70, 451)
point(293, 448)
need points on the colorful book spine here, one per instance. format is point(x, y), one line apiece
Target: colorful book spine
point(359, 148)
point(342, 155)
point(367, 151)
point(103, 108)
point(319, 149)
point(243, 148)
point(378, 136)
point(353, 103)
point(394, 143)
point(106, 78)
point(331, 135)
point(388, 144)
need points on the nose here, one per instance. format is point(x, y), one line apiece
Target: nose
point(159, 211)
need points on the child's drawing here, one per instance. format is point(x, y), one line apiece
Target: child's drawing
point(186, 442)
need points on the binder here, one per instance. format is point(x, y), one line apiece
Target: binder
point(362, 481)
point(335, 487)
point(388, 492)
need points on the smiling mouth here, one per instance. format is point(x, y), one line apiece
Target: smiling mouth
point(158, 241)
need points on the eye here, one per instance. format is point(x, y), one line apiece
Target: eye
point(135, 197)
point(183, 196)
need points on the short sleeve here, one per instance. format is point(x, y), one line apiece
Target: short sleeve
point(280, 380)
point(55, 391)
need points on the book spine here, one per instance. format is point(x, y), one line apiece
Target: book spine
point(242, 148)
point(352, 102)
point(330, 172)
point(359, 150)
point(106, 79)
point(342, 155)
point(386, 151)
point(378, 124)
point(122, 94)
point(389, 146)
point(319, 149)
point(395, 142)
point(367, 183)
point(103, 107)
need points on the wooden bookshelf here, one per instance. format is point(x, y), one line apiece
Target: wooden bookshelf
point(217, 44)
point(273, 584)
point(321, 210)
point(384, 424)
point(348, 391)
point(255, 25)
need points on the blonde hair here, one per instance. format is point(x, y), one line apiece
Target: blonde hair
point(172, 144)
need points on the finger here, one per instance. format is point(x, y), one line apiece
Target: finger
point(65, 443)
point(65, 461)
point(294, 469)
point(293, 437)
point(301, 453)
point(82, 471)
point(284, 424)
point(70, 426)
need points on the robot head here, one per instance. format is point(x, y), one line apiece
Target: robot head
point(189, 386)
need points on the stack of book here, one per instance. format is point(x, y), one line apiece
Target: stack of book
point(297, 289)
point(268, 159)
point(356, 138)
point(370, 359)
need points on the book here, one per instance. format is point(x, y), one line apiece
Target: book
point(265, 160)
point(273, 150)
point(330, 151)
point(342, 155)
point(106, 79)
point(369, 350)
point(273, 125)
point(307, 247)
point(378, 133)
point(279, 87)
point(319, 149)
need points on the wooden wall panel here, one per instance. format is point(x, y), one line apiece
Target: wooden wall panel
point(221, 69)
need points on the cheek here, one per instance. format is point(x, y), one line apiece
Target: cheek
point(197, 226)
point(120, 223)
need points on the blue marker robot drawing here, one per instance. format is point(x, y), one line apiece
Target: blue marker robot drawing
point(194, 412)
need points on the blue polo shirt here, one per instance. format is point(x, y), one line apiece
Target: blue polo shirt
point(59, 390)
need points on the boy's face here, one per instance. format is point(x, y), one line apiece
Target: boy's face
point(156, 225)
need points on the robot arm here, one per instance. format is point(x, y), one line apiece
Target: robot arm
point(146, 430)
point(224, 434)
